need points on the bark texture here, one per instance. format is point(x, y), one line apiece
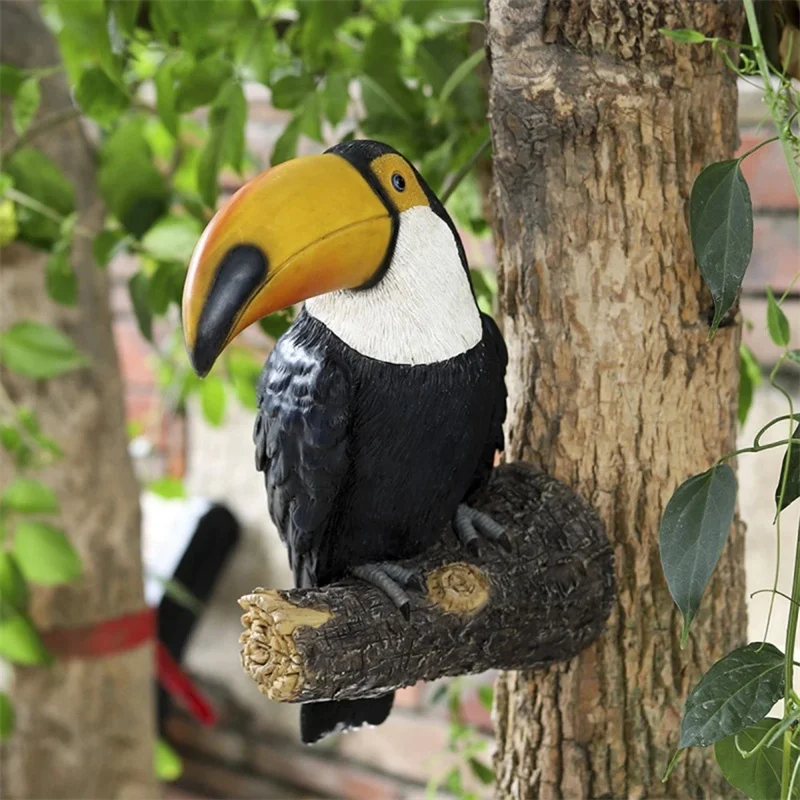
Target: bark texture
point(543, 602)
point(599, 126)
point(84, 727)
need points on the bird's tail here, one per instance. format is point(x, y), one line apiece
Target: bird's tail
point(320, 719)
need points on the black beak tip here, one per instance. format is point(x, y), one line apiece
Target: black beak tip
point(201, 360)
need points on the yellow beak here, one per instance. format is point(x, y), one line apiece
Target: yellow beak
point(304, 228)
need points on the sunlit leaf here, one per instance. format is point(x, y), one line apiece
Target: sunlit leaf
point(168, 488)
point(44, 553)
point(694, 530)
point(38, 177)
point(26, 104)
point(212, 399)
point(486, 696)
point(37, 350)
point(19, 641)
point(777, 323)
point(721, 221)
point(168, 765)
point(29, 496)
point(173, 238)
point(738, 691)
point(683, 35)
point(100, 97)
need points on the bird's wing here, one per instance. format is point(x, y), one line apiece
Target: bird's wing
point(301, 435)
point(498, 357)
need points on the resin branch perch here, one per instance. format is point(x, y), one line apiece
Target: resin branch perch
point(543, 602)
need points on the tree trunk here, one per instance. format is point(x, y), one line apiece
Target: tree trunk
point(599, 125)
point(84, 727)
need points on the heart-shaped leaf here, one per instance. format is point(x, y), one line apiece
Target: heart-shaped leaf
point(44, 553)
point(721, 222)
point(759, 775)
point(694, 530)
point(738, 691)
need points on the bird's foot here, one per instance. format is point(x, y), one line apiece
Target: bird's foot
point(471, 525)
point(392, 580)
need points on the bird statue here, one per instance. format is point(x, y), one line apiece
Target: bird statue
point(380, 409)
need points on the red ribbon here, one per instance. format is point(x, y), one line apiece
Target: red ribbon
point(126, 633)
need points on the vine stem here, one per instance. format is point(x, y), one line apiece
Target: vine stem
point(769, 91)
point(787, 774)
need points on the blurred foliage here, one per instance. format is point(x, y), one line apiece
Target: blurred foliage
point(163, 84)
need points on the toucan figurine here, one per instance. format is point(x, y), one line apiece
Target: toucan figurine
point(381, 408)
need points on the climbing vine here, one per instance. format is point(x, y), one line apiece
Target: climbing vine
point(729, 707)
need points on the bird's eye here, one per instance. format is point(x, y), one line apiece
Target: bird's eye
point(399, 182)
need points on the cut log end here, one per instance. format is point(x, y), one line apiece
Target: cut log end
point(542, 603)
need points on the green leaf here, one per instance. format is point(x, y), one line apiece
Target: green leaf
point(383, 89)
point(83, 36)
point(486, 696)
point(462, 71)
point(9, 229)
point(160, 286)
point(275, 325)
point(750, 378)
point(138, 288)
point(759, 776)
point(164, 81)
point(229, 114)
point(721, 221)
point(794, 356)
point(683, 35)
point(286, 145)
point(168, 488)
point(167, 763)
point(173, 238)
point(29, 496)
point(26, 104)
point(38, 177)
point(694, 529)
point(10, 79)
point(212, 399)
point(179, 593)
point(452, 781)
point(61, 281)
point(6, 717)
point(20, 643)
point(289, 91)
point(777, 324)
point(44, 554)
point(483, 773)
point(200, 85)
point(106, 245)
point(738, 691)
point(243, 371)
point(133, 188)
point(336, 97)
point(101, 98)
point(37, 350)
point(13, 586)
point(309, 116)
point(792, 467)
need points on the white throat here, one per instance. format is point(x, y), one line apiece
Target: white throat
point(422, 311)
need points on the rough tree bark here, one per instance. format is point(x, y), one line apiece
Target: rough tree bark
point(599, 126)
point(542, 602)
point(84, 727)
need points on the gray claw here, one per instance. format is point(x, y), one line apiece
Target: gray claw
point(471, 524)
point(387, 577)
